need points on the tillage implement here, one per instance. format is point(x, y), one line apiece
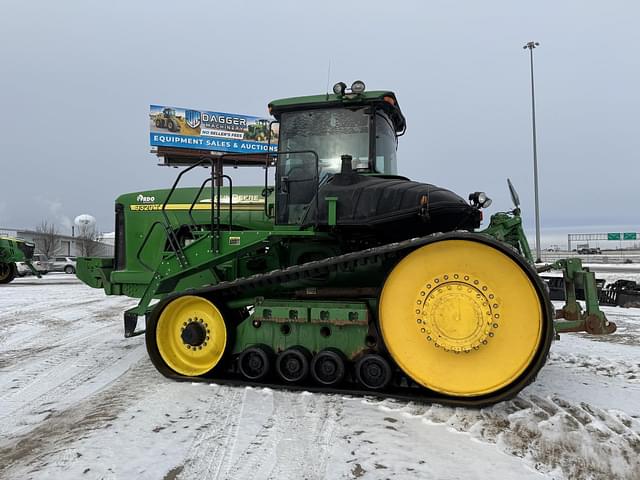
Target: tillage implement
point(336, 274)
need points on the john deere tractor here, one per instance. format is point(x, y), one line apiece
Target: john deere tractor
point(14, 250)
point(340, 275)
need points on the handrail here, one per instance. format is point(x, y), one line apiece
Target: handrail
point(197, 197)
point(217, 180)
point(230, 200)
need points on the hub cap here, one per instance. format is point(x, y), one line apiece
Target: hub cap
point(457, 313)
point(195, 333)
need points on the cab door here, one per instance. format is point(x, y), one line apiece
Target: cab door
point(296, 186)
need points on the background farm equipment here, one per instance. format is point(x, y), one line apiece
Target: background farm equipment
point(621, 293)
point(12, 251)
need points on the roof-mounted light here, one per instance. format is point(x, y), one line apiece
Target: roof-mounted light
point(357, 87)
point(339, 88)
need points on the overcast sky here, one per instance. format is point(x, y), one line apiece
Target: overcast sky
point(77, 78)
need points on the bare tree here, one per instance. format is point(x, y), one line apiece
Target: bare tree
point(47, 239)
point(88, 241)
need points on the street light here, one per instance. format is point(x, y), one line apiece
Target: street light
point(531, 46)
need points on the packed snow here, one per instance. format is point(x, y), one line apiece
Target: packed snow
point(79, 401)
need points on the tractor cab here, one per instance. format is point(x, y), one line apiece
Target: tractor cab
point(320, 130)
point(169, 113)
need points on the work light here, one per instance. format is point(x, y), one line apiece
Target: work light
point(357, 86)
point(339, 88)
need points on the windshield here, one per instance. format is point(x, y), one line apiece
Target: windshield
point(331, 133)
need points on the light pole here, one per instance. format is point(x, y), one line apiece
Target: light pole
point(531, 46)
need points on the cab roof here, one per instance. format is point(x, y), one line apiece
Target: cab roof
point(331, 100)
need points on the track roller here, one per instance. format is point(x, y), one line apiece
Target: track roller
point(292, 364)
point(373, 371)
point(328, 367)
point(255, 362)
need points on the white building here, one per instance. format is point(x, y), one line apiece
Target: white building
point(66, 245)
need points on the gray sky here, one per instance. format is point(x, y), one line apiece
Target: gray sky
point(77, 78)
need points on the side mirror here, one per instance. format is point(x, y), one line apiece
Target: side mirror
point(514, 195)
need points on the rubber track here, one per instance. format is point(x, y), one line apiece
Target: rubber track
point(306, 270)
point(355, 259)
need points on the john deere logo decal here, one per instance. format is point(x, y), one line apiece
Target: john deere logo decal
point(192, 117)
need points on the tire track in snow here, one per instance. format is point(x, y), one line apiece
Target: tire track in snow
point(299, 454)
point(50, 391)
point(218, 430)
point(293, 439)
point(56, 348)
point(49, 442)
point(62, 366)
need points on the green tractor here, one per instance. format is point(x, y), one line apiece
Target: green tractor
point(258, 131)
point(13, 250)
point(341, 275)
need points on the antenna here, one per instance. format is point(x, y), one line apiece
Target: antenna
point(328, 78)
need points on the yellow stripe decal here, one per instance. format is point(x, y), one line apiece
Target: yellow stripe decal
point(185, 206)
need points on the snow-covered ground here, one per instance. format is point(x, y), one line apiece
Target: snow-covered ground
point(78, 401)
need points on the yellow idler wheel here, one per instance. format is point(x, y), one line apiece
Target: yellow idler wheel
point(191, 335)
point(461, 318)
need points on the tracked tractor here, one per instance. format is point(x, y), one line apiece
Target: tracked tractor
point(13, 250)
point(339, 275)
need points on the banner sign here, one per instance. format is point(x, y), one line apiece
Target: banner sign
point(206, 130)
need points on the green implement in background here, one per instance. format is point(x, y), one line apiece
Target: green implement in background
point(14, 250)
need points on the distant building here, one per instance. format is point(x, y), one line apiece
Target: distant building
point(108, 238)
point(67, 245)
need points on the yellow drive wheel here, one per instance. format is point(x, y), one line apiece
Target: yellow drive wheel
point(462, 318)
point(191, 335)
